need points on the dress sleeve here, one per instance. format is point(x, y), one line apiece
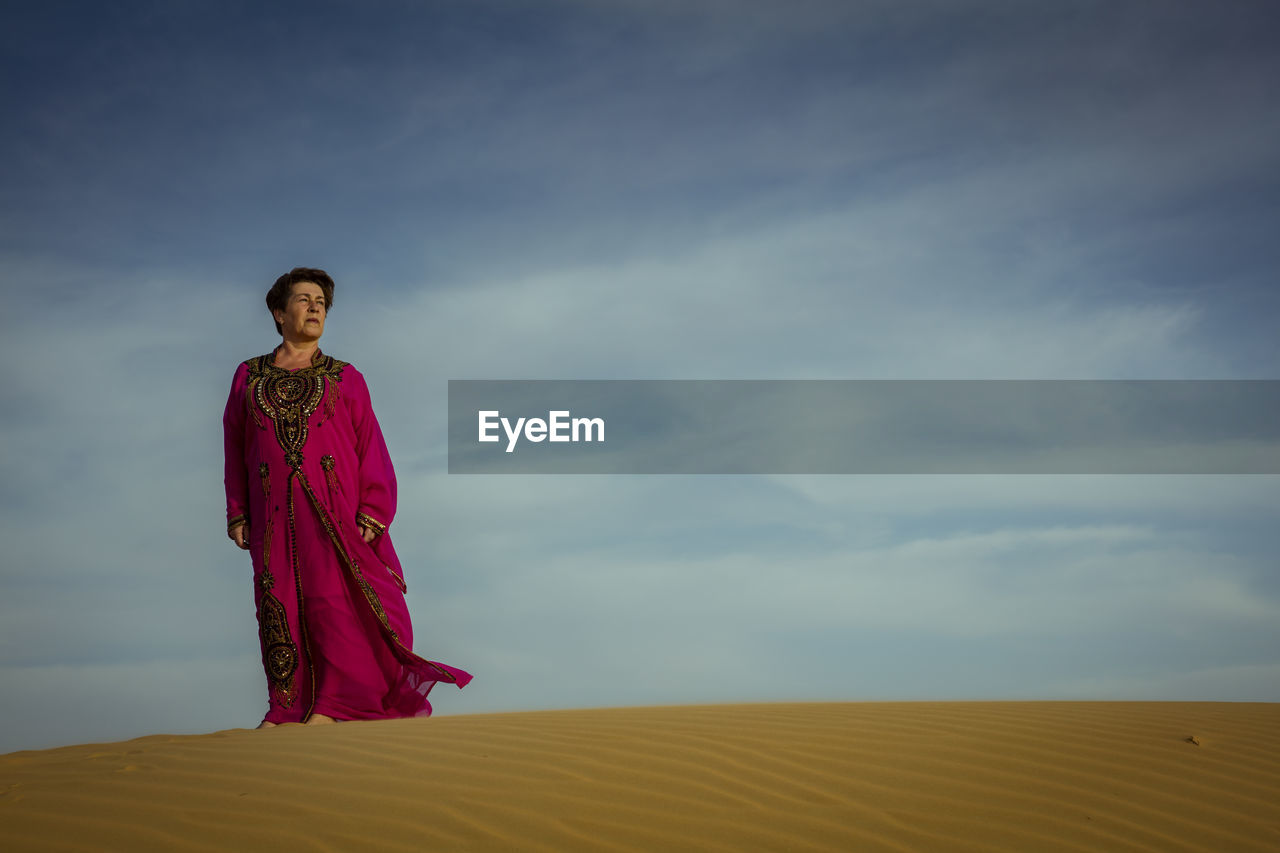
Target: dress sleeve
point(234, 478)
point(377, 501)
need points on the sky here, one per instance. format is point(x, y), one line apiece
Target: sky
point(619, 189)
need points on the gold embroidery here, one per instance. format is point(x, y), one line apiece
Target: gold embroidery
point(264, 473)
point(297, 584)
point(279, 654)
point(331, 402)
point(289, 398)
point(370, 594)
point(234, 522)
point(365, 520)
point(331, 478)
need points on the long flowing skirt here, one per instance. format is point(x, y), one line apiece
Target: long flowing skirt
point(336, 634)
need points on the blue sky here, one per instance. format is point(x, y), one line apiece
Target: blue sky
point(658, 190)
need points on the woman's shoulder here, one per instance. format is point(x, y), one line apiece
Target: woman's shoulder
point(332, 366)
point(243, 369)
point(350, 377)
point(335, 368)
point(257, 364)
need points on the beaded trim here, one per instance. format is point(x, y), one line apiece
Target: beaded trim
point(330, 478)
point(365, 520)
point(370, 594)
point(297, 583)
point(265, 474)
point(279, 654)
point(289, 398)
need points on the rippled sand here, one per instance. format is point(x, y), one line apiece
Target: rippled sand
point(1035, 776)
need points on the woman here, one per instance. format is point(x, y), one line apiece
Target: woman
point(310, 494)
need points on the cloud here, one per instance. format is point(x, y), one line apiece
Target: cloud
point(1113, 600)
point(636, 190)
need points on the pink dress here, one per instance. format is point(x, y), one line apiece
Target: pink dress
point(305, 465)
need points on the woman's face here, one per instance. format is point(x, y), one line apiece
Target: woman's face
point(304, 311)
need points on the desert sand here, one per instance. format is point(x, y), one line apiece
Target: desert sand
point(996, 776)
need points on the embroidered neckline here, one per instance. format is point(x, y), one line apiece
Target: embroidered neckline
point(289, 397)
point(319, 362)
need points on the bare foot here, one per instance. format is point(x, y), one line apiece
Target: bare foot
point(315, 719)
point(265, 725)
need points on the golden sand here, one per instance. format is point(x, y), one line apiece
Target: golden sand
point(995, 776)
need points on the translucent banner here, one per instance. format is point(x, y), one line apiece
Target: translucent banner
point(864, 426)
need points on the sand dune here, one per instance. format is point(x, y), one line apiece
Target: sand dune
point(1038, 776)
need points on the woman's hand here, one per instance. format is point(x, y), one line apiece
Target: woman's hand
point(368, 533)
point(240, 535)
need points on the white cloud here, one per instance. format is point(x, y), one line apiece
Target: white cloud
point(925, 214)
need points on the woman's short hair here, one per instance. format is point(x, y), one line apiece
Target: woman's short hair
point(278, 295)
